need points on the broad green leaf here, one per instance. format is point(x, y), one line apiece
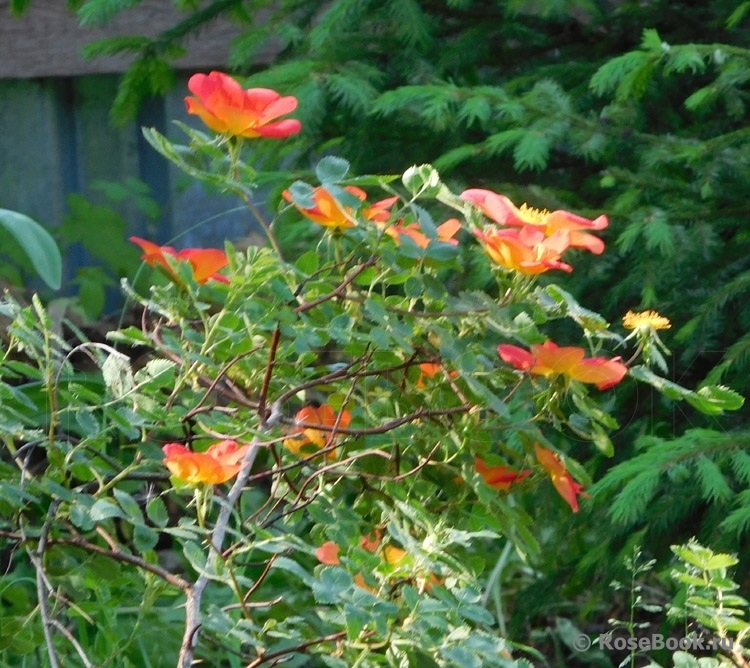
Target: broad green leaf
point(145, 538)
point(692, 554)
point(308, 263)
point(37, 243)
point(331, 583)
point(302, 194)
point(129, 505)
point(331, 169)
point(286, 564)
point(157, 512)
point(81, 517)
point(104, 509)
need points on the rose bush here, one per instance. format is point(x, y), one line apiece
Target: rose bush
point(367, 349)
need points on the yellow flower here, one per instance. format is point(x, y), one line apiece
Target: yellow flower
point(644, 320)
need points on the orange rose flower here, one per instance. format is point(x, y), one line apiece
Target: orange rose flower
point(308, 430)
point(566, 487)
point(380, 212)
point(328, 554)
point(205, 262)
point(500, 209)
point(499, 477)
point(445, 233)
point(221, 462)
point(224, 106)
point(328, 211)
point(527, 250)
point(549, 359)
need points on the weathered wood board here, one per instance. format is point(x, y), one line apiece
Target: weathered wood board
point(47, 40)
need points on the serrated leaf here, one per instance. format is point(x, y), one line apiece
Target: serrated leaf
point(689, 556)
point(721, 561)
point(104, 509)
point(117, 374)
point(88, 422)
point(684, 660)
point(422, 179)
point(331, 583)
point(157, 512)
point(129, 505)
point(331, 169)
point(145, 538)
point(195, 555)
point(493, 401)
point(715, 399)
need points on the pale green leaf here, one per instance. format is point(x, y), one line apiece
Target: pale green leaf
point(37, 243)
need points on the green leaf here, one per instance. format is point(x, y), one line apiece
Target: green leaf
point(145, 538)
point(308, 263)
point(331, 169)
point(721, 561)
point(302, 194)
point(331, 583)
point(422, 179)
point(701, 98)
point(684, 660)
point(87, 421)
point(286, 564)
point(736, 17)
point(129, 505)
point(81, 517)
point(157, 512)
point(715, 399)
point(18, 7)
point(104, 509)
point(117, 374)
point(37, 243)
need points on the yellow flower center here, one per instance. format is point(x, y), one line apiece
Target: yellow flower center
point(531, 215)
point(645, 319)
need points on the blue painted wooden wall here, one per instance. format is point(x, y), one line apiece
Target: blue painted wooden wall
point(56, 139)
